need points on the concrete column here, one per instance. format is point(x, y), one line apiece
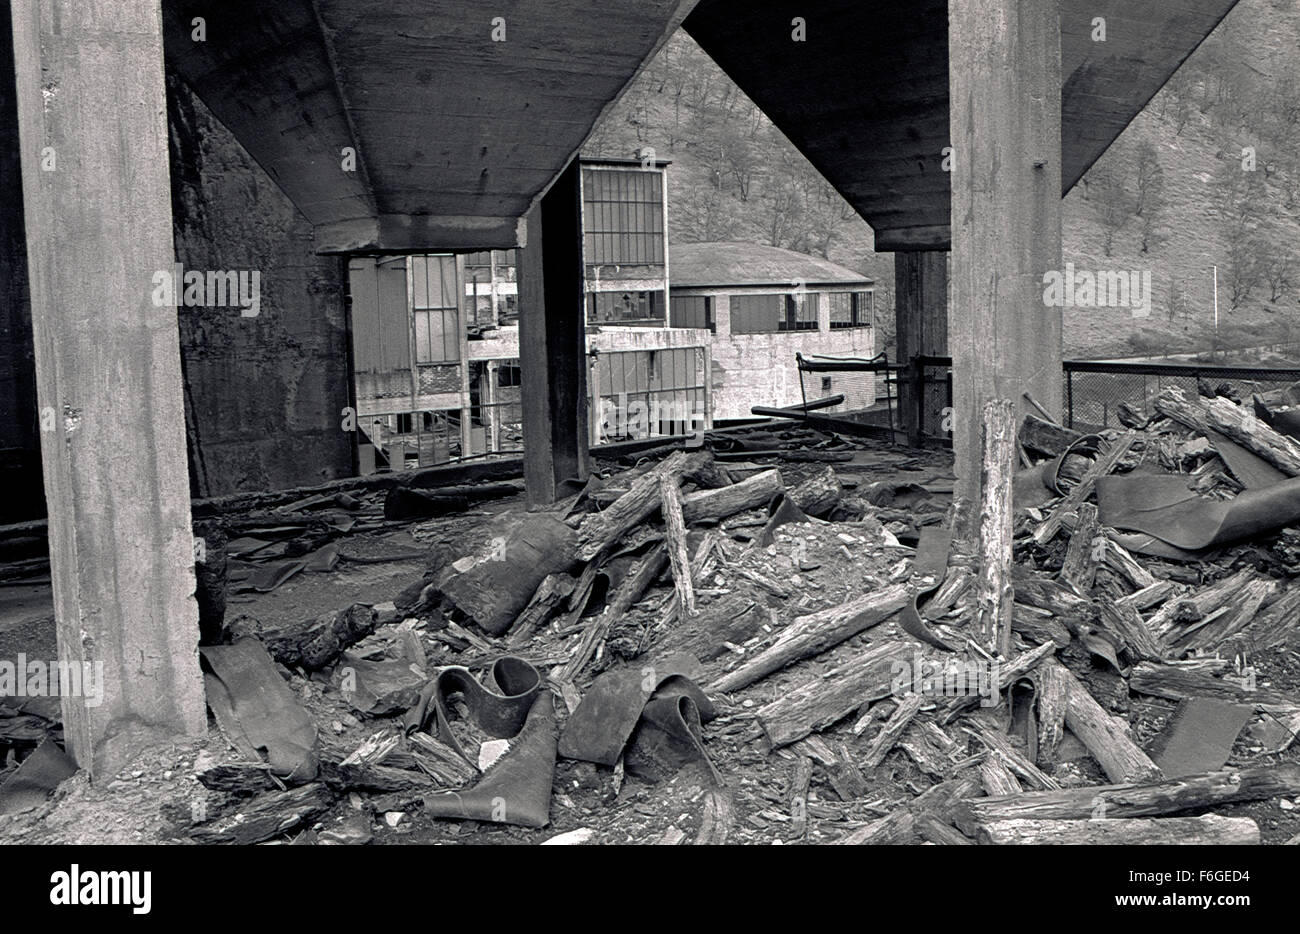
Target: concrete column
point(1005, 120)
point(921, 319)
point(99, 227)
point(552, 355)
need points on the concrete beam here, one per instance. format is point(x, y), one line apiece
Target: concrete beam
point(921, 319)
point(99, 226)
point(552, 352)
point(1005, 61)
point(419, 233)
point(901, 239)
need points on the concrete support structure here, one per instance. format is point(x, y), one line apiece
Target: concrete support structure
point(99, 226)
point(921, 319)
point(1005, 80)
point(552, 353)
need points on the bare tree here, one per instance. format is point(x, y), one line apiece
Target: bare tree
point(1278, 268)
point(1150, 177)
point(1106, 190)
point(1244, 268)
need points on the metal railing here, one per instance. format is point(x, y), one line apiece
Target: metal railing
point(1093, 391)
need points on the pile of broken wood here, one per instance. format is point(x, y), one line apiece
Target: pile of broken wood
point(1079, 694)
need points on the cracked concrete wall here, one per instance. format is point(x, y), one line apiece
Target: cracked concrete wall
point(265, 393)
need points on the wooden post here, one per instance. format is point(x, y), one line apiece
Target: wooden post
point(921, 319)
point(994, 595)
point(552, 330)
point(1005, 124)
point(99, 228)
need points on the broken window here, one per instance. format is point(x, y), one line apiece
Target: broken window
point(625, 307)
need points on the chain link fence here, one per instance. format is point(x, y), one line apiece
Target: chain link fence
point(1094, 391)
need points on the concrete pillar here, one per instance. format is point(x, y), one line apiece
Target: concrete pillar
point(1005, 121)
point(921, 319)
point(99, 227)
point(552, 355)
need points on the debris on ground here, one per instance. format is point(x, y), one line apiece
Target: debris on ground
point(773, 638)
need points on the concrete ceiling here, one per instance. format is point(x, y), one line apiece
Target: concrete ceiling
point(456, 134)
point(865, 97)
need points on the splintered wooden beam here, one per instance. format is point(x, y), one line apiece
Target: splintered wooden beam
point(1083, 556)
point(1104, 736)
point(893, 729)
point(1146, 799)
point(1237, 422)
point(994, 595)
point(750, 493)
point(815, 633)
point(670, 500)
point(821, 701)
point(602, 529)
point(1170, 831)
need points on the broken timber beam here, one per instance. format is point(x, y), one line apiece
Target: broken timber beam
point(1104, 736)
point(816, 704)
point(1147, 799)
point(815, 633)
point(1238, 423)
point(750, 493)
point(994, 595)
point(602, 529)
point(1170, 831)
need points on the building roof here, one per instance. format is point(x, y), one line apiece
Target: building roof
point(629, 161)
point(702, 265)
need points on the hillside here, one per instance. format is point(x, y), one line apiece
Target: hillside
point(1174, 195)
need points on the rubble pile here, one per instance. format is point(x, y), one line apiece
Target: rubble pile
point(774, 638)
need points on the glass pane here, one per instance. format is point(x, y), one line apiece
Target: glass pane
point(422, 337)
point(419, 276)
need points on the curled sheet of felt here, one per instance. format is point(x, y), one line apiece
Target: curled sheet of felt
point(35, 778)
point(256, 710)
point(1251, 470)
point(1042, 482)
point(599, 729)
point(1165, 509)
point(669, 735)
point(499, 709)
point(931, 561)
point(517, 788)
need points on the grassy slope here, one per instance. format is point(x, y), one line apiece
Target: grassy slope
point(1259, 36)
